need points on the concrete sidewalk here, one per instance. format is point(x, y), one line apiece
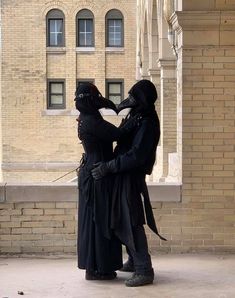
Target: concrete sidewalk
point(176, 276)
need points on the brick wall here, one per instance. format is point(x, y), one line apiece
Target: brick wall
point(42, 218)
point(30, 135)
point(38, 227)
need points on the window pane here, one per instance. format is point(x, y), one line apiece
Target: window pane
point(89, 39)
point(81, 39)
point(56, 99)
point(115, 32)
point(118, 24)
point(52, 25)
point(55, 32)
point(115, 98)
point(85, 32)
point(59, 25)
point(117, 42)
point(59, 39)
point(56, 88)
point(115, 88)
point(111, 35)
point(111, 23)
point(81, 24)
point(52, 39)
point(89, 25)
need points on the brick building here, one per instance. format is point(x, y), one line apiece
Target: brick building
point(47, 48)
point(187, 48)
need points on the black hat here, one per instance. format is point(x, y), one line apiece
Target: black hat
point(88, 98)
point(86, 90)
point(141, 96)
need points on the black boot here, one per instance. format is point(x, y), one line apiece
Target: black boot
point(128, 266)
point(95, 275)
point(138, 280)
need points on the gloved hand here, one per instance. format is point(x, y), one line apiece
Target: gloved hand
point(101, 169)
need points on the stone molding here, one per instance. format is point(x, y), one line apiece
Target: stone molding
point(203, 20)
point(41, 166)
point(62, 192)
point(204, 28)
point(74, 112)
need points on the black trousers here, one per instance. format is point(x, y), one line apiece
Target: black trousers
point(140, 257)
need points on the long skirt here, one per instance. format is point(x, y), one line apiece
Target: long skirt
point(98, 248)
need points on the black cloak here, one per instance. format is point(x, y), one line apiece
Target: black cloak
point(98, 248)
point(135, 157)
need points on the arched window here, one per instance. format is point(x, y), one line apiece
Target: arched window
point(55, 28)
point(85, 28)
point(114, 29)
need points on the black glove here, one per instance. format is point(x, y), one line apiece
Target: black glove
point(130, 124)
point(101, 169)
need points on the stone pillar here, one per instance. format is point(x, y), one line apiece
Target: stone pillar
point(168, 111)
point(70, 63)
point(154, 75)
point(0, 101)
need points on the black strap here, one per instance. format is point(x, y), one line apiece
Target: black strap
point(149, 212)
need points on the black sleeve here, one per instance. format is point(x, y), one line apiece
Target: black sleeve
point(142, 146)
point(105, 131)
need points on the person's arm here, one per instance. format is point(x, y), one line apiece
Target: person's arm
point(108, 132)
point(143, 143)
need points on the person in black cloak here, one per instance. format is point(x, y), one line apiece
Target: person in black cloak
point(99, 250)
point(135, 157)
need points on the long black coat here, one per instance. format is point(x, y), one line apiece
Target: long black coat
point(98, 248)
point(135, 157)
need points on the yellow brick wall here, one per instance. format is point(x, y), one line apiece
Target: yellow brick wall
point(28, 135)
point(204, 220)
point(38, 227)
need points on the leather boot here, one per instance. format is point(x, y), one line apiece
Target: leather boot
point(138, 280)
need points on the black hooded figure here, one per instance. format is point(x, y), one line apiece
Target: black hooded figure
point(99, 250)
point(135, 157)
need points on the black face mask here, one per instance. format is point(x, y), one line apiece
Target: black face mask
point(89, 103)
point(129, 102)
point(141, 98)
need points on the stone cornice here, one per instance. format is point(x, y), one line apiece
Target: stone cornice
point(203, 20)
point(154, 72)
point(167, 63)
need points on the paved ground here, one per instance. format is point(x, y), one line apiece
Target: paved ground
point(177, 276)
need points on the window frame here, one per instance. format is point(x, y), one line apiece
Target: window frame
point(85, 14)
point(55, 14)
point(114, 14)
point(56, 106)
point(114, 81)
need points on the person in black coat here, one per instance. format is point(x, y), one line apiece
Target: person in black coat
point(135, 157)
point(99, 250)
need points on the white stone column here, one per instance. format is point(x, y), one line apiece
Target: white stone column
point(168, 111)
point(0, 98)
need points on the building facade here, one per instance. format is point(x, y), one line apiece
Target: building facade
point(48, 47)
point(187, 48)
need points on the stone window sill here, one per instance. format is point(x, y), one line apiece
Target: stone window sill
point(119, 50)
point(74, 112)
point(85, 49)
point(56, 50)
